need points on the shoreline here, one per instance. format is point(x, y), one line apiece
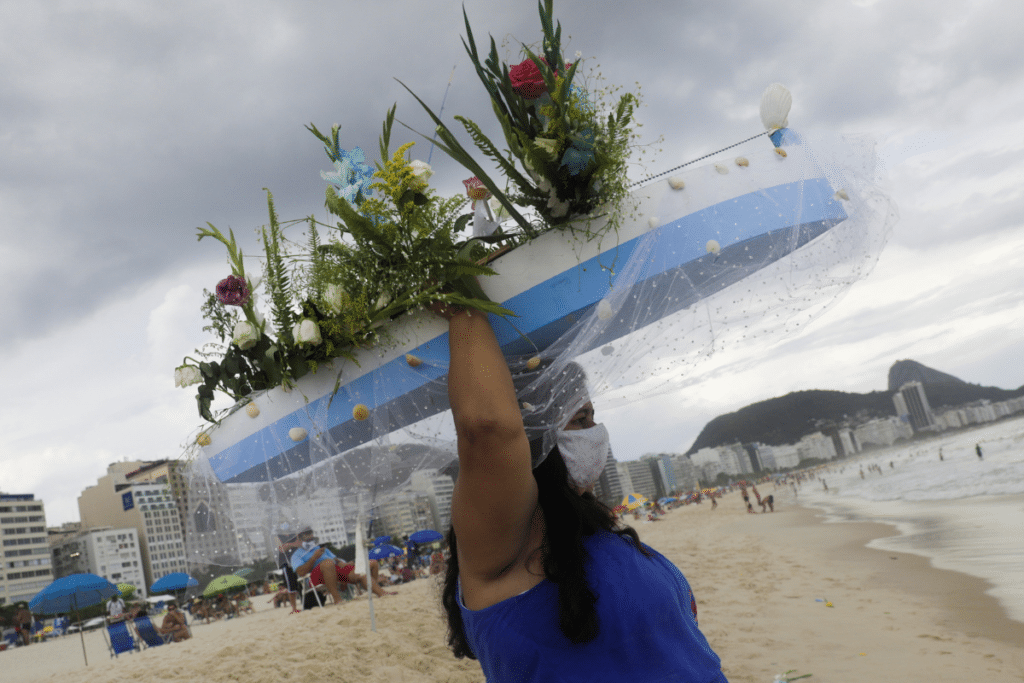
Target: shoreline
point(967, 604)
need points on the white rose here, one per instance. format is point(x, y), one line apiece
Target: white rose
point(421, 173)
point(306, 331)
point(245, 336)
point(186, 375)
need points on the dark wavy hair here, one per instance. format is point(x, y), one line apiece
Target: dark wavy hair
point(569, 518)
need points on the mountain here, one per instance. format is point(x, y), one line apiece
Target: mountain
point(903, 371)
point(786, 419)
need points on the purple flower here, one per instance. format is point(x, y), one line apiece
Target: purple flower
point(233, 291)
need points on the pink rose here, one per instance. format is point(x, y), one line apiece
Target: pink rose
point(233, 291)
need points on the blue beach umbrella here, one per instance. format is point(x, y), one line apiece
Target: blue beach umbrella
point(426, 536)
point(379, 552)
point(381, 539)
point(175, 581)
point(72, 593)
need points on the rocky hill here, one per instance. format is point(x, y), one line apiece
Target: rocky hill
point(903, 371)
point(787, 418)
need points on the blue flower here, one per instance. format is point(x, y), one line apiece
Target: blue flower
point(352, 175)
point(580, 153)
point(579, 97)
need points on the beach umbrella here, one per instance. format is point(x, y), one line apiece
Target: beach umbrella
point(633, 500)
point(381, 539)
point(666, 501)
point(175, 581)
point(223, 583)
point(72, 593)
point(125, 589)
point(244, 571)
point(379, 552)
point(426, 536)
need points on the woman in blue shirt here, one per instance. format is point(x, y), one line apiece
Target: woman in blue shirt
point(542, 584)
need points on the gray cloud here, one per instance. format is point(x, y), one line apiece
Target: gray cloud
point(122, 129)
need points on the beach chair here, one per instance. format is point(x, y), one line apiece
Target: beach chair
point(119, 638)
point(148, 633)
point(307, 589)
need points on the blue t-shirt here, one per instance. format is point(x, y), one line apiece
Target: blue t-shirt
point(301, 555)
point(646, 614)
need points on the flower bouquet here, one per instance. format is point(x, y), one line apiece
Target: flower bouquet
point(566, 154)
point(394, 248)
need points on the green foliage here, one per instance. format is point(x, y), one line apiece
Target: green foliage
point(394, 252)
point(574, 159)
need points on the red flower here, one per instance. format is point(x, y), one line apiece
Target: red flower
point(527, 80)
point(233, 291)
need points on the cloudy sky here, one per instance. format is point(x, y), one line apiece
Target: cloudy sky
point(125, 125)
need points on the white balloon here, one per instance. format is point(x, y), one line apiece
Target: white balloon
point(775, 104)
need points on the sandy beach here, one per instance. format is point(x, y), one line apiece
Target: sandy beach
point(762, 582)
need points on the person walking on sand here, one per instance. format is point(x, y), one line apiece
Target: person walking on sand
point(977, 448)
point(534, 587)
point(23, 624)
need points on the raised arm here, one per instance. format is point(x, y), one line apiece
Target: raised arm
point(495, 497)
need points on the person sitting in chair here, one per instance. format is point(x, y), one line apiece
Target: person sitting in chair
point(174, 624)
point(325, 568)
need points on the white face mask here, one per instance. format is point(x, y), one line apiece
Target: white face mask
point(585, 452)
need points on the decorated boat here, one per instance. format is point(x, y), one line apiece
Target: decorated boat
point(633, 281)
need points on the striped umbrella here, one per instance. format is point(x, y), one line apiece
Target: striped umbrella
point(633, 500)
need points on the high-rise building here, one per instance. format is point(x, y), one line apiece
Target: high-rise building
point(403, 513)
point(625, 480)
point(911, 401)
point(27, 566)
point(114, 554)
point(641, 477)
point(686, 474)
point(146, 506)
point(438, 488)
point(608, 488)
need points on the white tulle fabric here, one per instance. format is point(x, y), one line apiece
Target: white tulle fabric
point(741, 302)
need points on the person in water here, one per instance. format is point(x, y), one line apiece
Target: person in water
point(542, 583)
